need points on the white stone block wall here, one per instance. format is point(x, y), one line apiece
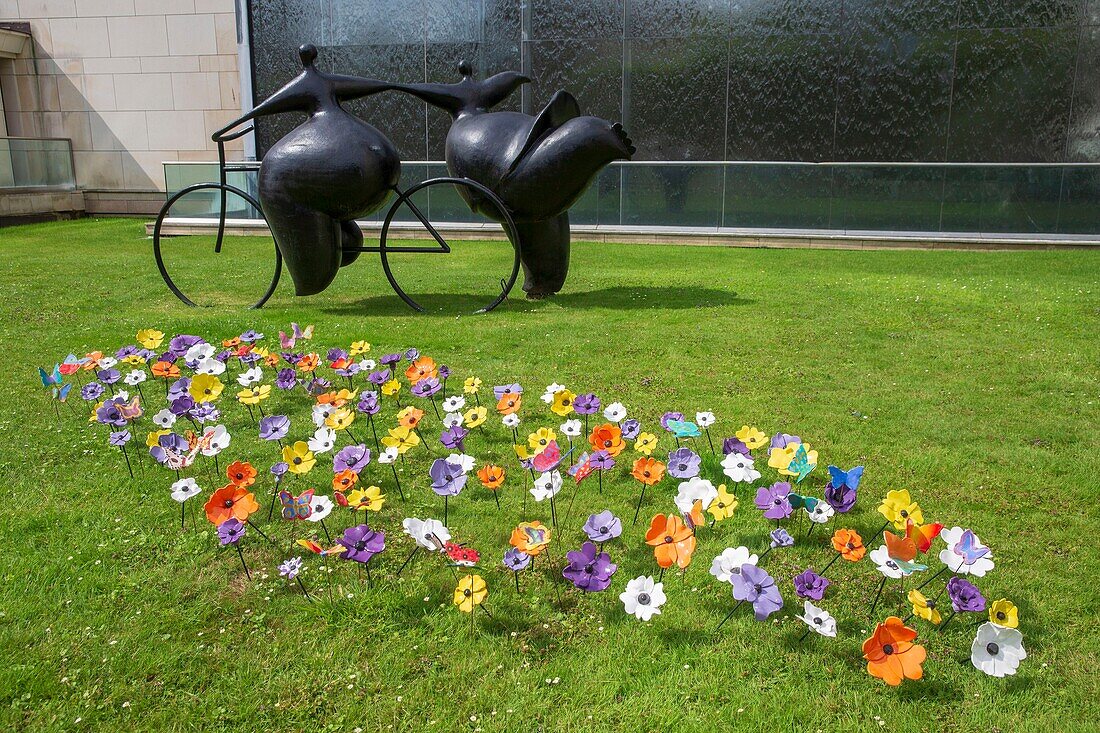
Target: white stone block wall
point(133, 83)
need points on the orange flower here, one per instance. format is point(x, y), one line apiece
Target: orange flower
point(241, 473)
point(231, 342)
point(230, 501)
point(309, 362)
point(509, 403)
point(849, 544)
point(93, 358)
point(272, 360)
point(421, 369)
point(648, 470)
point(607, 437)
point(336, 398)
point(891, 654)
point(341, 363)
point(492, 476)
point(530, 538)
point(344, 480)
point(166, 370)
point(410, 417)
point(671, 540)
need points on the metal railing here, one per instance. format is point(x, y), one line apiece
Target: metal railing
point(30, 163)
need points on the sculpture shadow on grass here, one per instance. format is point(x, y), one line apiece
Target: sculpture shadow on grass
point(620, 297)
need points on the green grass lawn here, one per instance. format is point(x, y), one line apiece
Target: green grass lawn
point(968, 378)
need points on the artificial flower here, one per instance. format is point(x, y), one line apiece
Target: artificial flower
point(589, 569)
point(429, 534)
point(885, 564)
point(540, 439)
point(510, 404)
point(849, 544)
point(231, 531)
point(530, 538)
point(615, 412)
point(809, 584)
point(646, 443)
point(361, 543)
point(474, 417)
point(723, 505)
point(368, 499)
point(563, 403)
point(323, 440)
point(891, 654)
point(965, 596)
point(470, 592)
point(648, 470)
point(683, 463)
point(695, 493)
point(298, 457)
point(818, 619)
point(754, 585)
point(997, 650)
point(965, 553)
point(491, 476)
point(447, 478)
point(241, 473)
point(643, 598)
point(422, 368)
point(205, 388)
point(607, 437)
point(471, 385)
point(729, 563)
point(603, 527)
point(751, 437)
point(230, 502)
point(1003, 612)
point(546, 485)
point(401, 438)
point(739, 468)
point(671, 540)
point(185, 488)
point(150, 338)
point(774, 500)
point(924, 607)
point(319, 508)
point(898, 508)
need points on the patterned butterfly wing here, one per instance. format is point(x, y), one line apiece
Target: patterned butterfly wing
point(304, 504)
point(536, 536)
point(62, 392)
point(800, 465)
point(582, 469)
point(286, 500)
point(548, 459)
point(969, 549)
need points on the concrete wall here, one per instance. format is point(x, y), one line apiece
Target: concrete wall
point(133, 83)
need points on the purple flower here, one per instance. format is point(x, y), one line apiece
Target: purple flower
point(182, 405)
point(444, 372)
point(317, 385)
point(179, 345)
point(754, 585)
point(286, 379)
point(602, 460)
point(780, 538)
point(447, 478)
point(361, 543)
point(683, 463)
point(250, 358)
point(589, 569)
point(92, 391)
point(279, 469)
point(290, 358)
point(503, 389)
point(603, 526)
point(964, 595)
point(178, 389)
point(841, 499)
point(251, 336)
point(426, 387)
point(119, 438)
point(126, 351)
point(274, 427)
point(349, 371)
point(453, 437)
point(515, 560)
point(773, 501)
point(351, 458)
point(782, 440)
point(230, 531)
point(809, 584)
point(670, 416)
point(734, 445)
point(630, 428)
point(378, 378)
point(368, 403)
point(224, 355)
point(586, 404)
point(412, 354)
point(166, 442)
point(205, 412)
point(389, 359)
point(291, 568)
point(109, 414)
point(335, 354)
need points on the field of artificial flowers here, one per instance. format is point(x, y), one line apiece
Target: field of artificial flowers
point(427, 522)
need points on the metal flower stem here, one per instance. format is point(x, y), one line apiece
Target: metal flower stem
point(765, 554)
point(946, 621)
point(525, 497)
point(260, 407)
point(127, 457)
point(240, 554)
point(811, 529)
point(407, 561)
point(937, 574)
point(599, 476)
point(271, 507)
point(496, 497)
point(553, 513)
point(639, 507)
point(661, 577)
point(709, 441)
point(251, 414)
point(183, 507)
point(194, 522)
point(304, 591)
point(829, 564)
point(878, 594)
point(435, 407)
point(728, 615)
point(327, 535)
point(217, 469)
point(446, 507)
point(261, 533)
point(803, 637)
point(370, 580)
point(515, 573)
point(397, 481)
point(377, 447)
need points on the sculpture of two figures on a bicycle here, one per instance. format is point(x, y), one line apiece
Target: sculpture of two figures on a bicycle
point(520, 170)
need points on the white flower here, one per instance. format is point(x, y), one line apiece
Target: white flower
point(997, 650)
point(819, 620)
point(135, 377)
point(322, 413)
point(184, 489)
point(250, 376)
point(164, 419)
point(454, 403)
point(122, 394)
point(510, 421)
point(428, 533)
point(323, 440)
point(693, 490)
point(388, 455)
point(615, 412)
point(451, 419)
point(367, 365)
point(704, 419)
point(553, 389)
point(643, 598)
point(106, 362)
point(821, 513)
point(320, 507)
point(739, 467)
point(729, 563)
point(547, 485)
point(461, 459)
point(210, 366)
point(219, 440)
point(571, 428)
point(954, 557)
point(198, 352)
point(886, 566)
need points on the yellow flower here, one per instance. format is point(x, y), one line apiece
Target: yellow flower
point(723, 505)
point(924, 607)
point(563, 402)
point(205, 388)
point(368, 499)
point(521, 452)
point(401, 438)
point(153, 438)
point(751, 437)
point(254, 395)
point(780, 458)
point(646, 443)
point(541, 438)
point(1004, 613)
point(299, 458)
point(150, 338)
point(474, 417)
point(471, 385)
point(133, 360)
point(471, 591)
point(358, 348)
point(340, 419)
point(95, 408)
point(898, 508)
point(391, 388)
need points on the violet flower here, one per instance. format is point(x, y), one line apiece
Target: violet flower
point(841, 499)
point(683, 463)
point(502, 389)
point(379, 377)
point(630, 428)
point(389, 360)
point(452, 438)
point(515, 560)
point(361, 543)
point(92, 391)
point(734, 445)
point(773, 500)
point(119, 438)
point(754, 585)
point(965, 596)
point(447, 478)
point(602, 461)
point(586, 404)
point(352, 458)
point(670, 416)
point(589, 569)
point(274, 427)
point(809, 584)
point(782, 440)
point(426, 387)
point(230, 531)
point(603, 527)
point(286, 379)
point(780, 538)
point(368, 403)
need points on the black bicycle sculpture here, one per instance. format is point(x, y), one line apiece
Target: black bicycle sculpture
point(335, 168)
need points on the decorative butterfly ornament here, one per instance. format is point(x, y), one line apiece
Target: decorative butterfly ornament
point(296, 507)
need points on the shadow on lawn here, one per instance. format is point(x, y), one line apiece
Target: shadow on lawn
point(620, 297)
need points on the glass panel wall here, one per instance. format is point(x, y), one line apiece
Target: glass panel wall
point(36, 163)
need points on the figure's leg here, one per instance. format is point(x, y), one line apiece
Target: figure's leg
point(309, 241)
point(352, 237)
point(544, 254)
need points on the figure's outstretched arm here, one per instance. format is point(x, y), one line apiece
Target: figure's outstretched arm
point(355, 87)
point(287, 99)
point(448, 97)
